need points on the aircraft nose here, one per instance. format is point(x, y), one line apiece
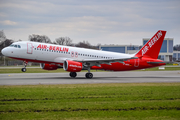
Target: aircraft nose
point(4, 51)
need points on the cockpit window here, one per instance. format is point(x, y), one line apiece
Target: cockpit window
point(16, 46)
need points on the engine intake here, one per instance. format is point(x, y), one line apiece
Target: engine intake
point(72, 66)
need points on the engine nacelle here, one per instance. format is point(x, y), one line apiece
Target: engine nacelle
point(72, 66)
point(48, 66)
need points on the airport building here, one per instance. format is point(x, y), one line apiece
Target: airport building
point(166, 53)
point(176, 56)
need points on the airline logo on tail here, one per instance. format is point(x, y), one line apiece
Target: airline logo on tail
point(151, 42)
point(152, 48)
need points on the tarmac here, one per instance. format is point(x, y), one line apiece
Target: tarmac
point(99, 77)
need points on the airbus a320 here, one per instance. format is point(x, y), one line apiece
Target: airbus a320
point(74, 59)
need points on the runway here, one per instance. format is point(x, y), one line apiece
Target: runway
point(99, 77)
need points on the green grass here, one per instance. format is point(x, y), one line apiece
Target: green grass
point(91, 101)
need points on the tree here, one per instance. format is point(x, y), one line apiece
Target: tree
point(5, 43)
point(176, 47)
point(86, 44)
point(2, 36)
point(63, 41)
point(39, 38)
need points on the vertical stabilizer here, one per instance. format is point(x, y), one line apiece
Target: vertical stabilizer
point(152, 48)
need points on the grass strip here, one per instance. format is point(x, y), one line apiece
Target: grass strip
point(91, 101)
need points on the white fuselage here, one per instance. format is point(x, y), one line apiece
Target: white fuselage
point(57, 53)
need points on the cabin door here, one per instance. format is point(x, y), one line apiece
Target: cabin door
point(29, 48)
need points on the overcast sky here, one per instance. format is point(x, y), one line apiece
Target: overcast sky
point(120, 22)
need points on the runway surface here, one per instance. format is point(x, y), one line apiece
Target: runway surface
point(99, 77)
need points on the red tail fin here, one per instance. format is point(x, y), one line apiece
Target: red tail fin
point(152, 47)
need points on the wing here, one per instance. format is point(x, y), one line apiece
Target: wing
point(94, 62)
point(98, 62)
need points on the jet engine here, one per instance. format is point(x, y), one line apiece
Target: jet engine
point(48, 66)
point(72, 66)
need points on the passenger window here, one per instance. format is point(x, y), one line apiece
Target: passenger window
point(19, 46)
point(15, 46)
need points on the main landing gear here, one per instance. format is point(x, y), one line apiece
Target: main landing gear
point(24, 69)
point(87, 75)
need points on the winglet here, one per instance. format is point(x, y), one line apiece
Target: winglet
point(152, 47)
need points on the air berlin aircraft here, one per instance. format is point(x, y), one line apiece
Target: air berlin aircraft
point(73, 59)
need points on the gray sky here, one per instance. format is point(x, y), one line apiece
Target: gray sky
point(121, 22)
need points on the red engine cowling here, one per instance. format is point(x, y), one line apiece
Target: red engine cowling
point(72, 66)
point(48, 66)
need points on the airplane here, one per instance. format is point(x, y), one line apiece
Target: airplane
point(74, 59)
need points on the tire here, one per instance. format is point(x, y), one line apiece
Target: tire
point(73, 74)
point(89, 75)
point(23, 69)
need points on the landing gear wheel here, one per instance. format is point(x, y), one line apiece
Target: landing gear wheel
point(73, 74)
point(23, 69)
point(25, 64)
point(89, 75)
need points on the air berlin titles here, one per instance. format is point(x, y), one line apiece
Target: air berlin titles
point(55, 48)
point(151, 42)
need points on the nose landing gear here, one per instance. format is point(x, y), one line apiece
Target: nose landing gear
point(24, 69)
